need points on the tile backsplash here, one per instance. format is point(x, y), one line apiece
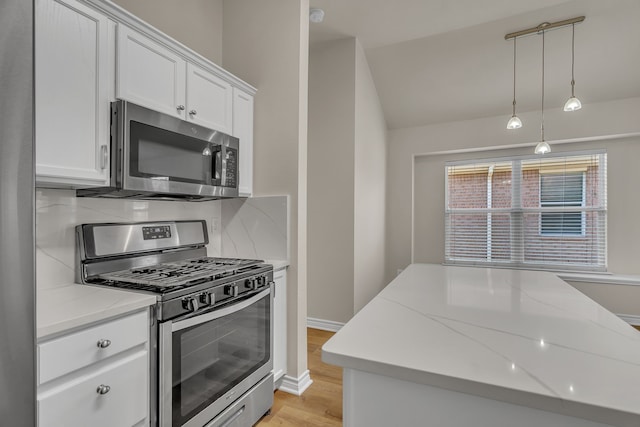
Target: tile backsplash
point(256, 228)
point(245, 228)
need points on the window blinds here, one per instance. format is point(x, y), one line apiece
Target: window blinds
point(547, 212)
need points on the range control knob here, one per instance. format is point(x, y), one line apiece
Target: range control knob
point(190, 304)
point(231, 290)
point(249, 284)
point(206, 298)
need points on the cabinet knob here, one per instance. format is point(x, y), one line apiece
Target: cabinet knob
point(103, 389)
point(104, 343)
point(104, 156)
point(180, 107)
point(193, 112)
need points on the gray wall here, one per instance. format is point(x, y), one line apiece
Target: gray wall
point(267, 45)
point(332, 73)
point(347, 176)
point(370, 187)
point(17, 280)
point(194, 23)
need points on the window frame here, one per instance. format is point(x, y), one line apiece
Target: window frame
point(518, 257)
point(583, 219)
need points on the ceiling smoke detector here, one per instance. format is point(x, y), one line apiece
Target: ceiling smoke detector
point(316, 15)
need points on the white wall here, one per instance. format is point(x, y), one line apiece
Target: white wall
point(605, 120)
point(370, 186)
point(347, 176)
point(267, 44)
point(194, 23)
point(332, 114)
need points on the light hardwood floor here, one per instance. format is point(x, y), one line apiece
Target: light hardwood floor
point(321, 403)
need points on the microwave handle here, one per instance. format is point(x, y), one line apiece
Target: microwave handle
point(217, 165)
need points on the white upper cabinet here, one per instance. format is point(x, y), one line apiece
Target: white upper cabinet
point(73, 87)
point(243, 129)
point(149, 74)
point(209, 99)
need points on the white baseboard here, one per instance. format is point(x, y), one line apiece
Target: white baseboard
point(295, 386)
point(325, 325)
point(630, 319)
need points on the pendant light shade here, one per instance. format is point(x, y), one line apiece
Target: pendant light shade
point(514, 122)
point(572, 103)
point(542, 148)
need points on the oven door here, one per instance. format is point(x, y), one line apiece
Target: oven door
point(208, 361)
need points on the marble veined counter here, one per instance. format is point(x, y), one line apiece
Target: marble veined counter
point(62, 308)
point(525, 339)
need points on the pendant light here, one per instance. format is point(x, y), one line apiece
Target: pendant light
point(572, 103)
point(542, 147)
point(514, 122)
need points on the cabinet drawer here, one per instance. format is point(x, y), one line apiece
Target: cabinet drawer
point(78, 403)
point(74, 351)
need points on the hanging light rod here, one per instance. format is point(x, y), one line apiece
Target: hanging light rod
point(544, 26)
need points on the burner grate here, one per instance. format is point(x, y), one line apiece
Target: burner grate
point(178, 274)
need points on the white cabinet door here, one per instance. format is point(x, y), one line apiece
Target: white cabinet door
point(280, 324)
point(71, 352)
point(209, 99)
point(116, 395)
point(243, 129)
point(149, 74)
point(73, 87)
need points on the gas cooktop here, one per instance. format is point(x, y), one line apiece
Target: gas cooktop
point(180, 273)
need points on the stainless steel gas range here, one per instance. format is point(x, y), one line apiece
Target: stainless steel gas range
point(212, 325)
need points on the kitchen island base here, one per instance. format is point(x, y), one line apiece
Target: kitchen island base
point(373, 400)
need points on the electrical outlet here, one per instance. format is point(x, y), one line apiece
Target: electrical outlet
point(214, 225)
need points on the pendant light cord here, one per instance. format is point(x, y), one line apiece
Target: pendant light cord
point(573, 48)
point(542, 108)
point(514, 76)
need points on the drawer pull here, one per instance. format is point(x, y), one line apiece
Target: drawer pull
point(104, 343)
point(103, 389)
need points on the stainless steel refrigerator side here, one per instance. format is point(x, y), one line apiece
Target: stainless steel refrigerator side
point(17, 244)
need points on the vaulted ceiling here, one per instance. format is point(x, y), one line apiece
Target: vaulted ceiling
point(446, 60)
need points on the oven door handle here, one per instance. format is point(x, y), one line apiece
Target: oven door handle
point(215, 314)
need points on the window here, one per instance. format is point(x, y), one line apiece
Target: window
point(546, 212)
point(562, 190)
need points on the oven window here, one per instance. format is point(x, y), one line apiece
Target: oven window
point(211, 358)
point(162, 154)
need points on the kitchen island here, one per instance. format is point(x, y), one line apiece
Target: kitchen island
point(459, 346)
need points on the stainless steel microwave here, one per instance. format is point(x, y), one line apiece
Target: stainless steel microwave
point(157, 156)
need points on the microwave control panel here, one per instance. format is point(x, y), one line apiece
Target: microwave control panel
point(231, 160)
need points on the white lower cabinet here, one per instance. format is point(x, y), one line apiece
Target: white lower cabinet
point(97, 376)
point(280, 325)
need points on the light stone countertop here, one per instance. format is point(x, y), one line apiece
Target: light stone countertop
point(278, 264)
point(62, 308)
point(523, 337)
